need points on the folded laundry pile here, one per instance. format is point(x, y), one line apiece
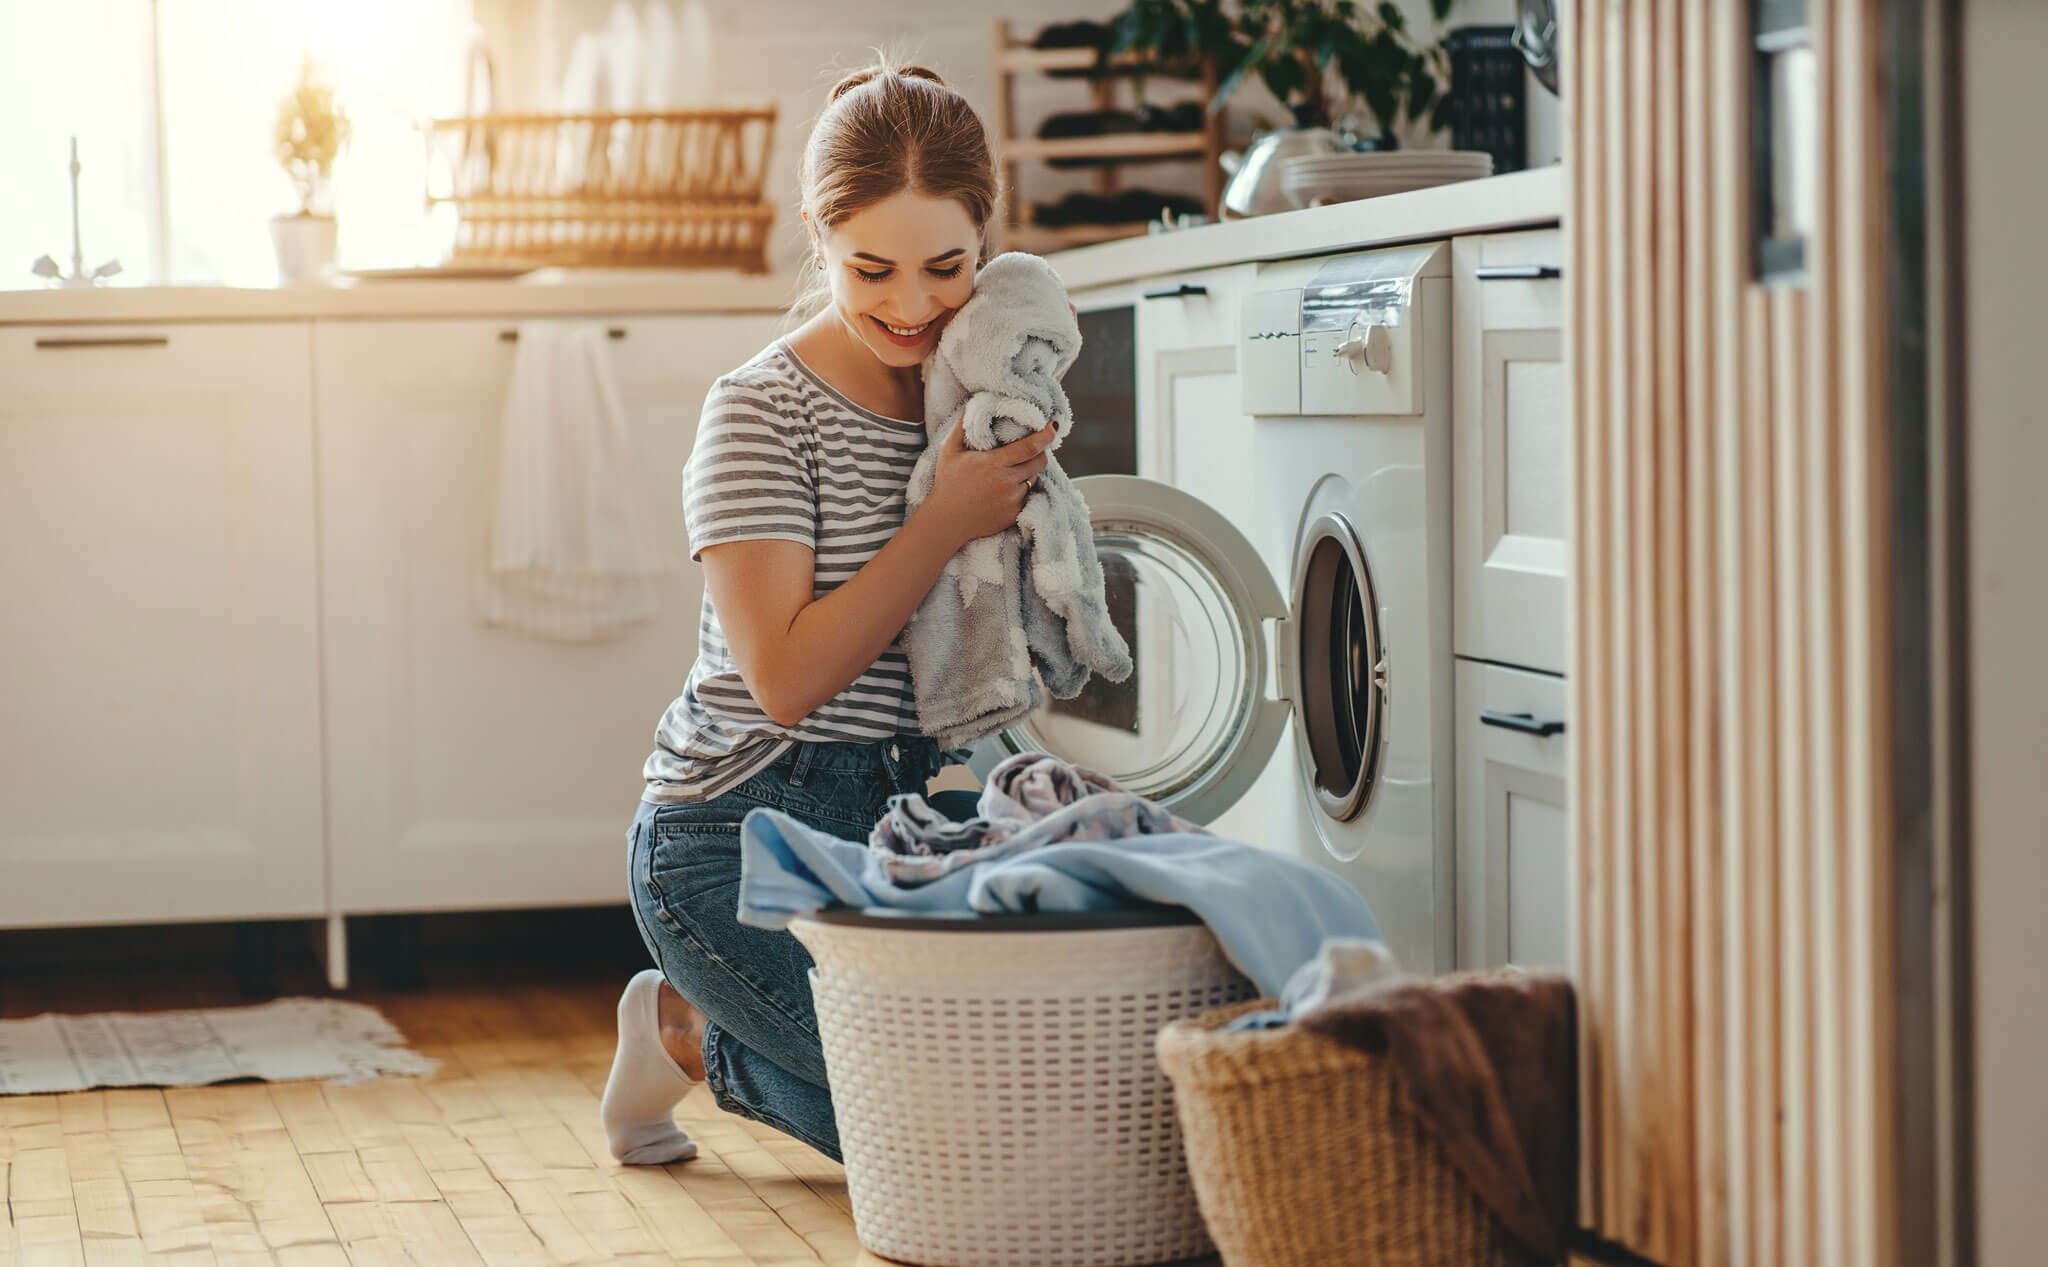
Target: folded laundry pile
point(1269, 912)
point(1128, 206)
point(1030, 800)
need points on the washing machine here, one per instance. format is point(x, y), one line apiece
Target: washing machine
point(1293, 679)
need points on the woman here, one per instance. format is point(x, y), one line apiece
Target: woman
point(800, 698)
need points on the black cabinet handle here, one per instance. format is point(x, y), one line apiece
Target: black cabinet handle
point(1181, 291)
point(107, 341)
point(512, 336)
point(1518, 272)
point(1524, 722)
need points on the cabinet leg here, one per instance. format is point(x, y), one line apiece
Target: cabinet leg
point(331, 943)
point(255, 959)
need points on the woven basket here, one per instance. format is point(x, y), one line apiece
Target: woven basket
point(673, 189)
point(998, 1100)
point(1303, 1155)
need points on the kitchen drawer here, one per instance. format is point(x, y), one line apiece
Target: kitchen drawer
point(1514, 865)
point(1193, 310)
point(1509, 449)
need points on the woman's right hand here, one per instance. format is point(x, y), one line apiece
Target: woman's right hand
point(979, 492)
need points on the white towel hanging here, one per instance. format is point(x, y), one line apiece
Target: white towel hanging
point(574, 553)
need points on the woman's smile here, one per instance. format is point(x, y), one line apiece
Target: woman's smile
point(905, 336)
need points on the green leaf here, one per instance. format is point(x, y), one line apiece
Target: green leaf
point(1440, 118)
point(1253, 59)
point(1391, 15)
point(1421, 93)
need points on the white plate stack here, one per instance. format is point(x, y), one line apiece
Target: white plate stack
point(1312, 180)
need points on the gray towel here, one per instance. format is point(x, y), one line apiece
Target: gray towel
point(1031, 800)
point(1031, 595)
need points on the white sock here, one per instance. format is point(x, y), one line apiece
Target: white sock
point(640, 1096)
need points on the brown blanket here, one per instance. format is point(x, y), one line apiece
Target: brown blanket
point(1489, 1063)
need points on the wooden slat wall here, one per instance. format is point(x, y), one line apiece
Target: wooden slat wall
point(1728, 758)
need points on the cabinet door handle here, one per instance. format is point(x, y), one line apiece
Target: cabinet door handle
point(1181, 291)
point(1517, 272)
point(107, 341)
point(512, 336)
point(1524, 722)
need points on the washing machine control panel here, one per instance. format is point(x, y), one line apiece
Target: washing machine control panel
point(1339, 341)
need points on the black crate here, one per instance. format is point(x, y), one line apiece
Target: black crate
point(1489, 95)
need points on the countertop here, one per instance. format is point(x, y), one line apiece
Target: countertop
point(1516, 200)
point(547, 293)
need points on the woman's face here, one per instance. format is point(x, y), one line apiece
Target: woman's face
point(898, 270)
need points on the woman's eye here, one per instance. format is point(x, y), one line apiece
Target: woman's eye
point(946, 272)
point(866, 276)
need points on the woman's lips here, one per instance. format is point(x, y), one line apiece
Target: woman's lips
point(902, 340)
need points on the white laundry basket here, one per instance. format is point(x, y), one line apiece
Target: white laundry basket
point(998, 1098)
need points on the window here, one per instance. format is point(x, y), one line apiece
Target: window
point(173, 102)
point(81, 68)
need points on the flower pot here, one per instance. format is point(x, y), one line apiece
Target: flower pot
point(305, 249)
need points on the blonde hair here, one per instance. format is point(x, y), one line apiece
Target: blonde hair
point(886, 129)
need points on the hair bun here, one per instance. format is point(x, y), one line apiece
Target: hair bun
point(854, 80)
point(868, 73)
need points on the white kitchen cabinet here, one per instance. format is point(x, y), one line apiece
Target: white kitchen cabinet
point(1191, 433)
point(473, 766)
point(1509, 449)
point(161, 758)
point(1514, 866)
point(1194, 436)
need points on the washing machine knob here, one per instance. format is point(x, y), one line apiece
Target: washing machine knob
point(1368, 346)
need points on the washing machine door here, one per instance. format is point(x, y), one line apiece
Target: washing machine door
point(1339, 658)
point(1193, 726)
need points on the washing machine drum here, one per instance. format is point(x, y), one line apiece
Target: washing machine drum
point(1340, 668)
point(1194, 725)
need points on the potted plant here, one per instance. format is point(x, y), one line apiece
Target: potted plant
point(1314, 55)
point(312, 128)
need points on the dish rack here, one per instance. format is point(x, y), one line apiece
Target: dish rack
point(650, 189)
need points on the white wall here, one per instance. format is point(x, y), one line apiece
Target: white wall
point(2005, 190)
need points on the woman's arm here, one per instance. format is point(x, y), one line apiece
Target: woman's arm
point(795, 652)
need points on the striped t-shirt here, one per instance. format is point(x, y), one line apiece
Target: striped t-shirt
point(780, 455)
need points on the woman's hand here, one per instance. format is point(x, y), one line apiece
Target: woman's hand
point(978, 492)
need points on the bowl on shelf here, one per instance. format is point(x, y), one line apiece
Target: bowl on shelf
point(1316, 179)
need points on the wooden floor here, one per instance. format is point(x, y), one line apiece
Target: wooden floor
point(498, 1158)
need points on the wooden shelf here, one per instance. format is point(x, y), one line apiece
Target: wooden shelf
point(1039, 238)
point(1114, 145)
point(1022, 57)
point(1012, 58)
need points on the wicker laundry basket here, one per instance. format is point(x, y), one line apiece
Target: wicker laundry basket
point(998, 1097)
point(1304, 1155)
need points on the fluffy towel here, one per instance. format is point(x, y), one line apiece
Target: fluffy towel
point(1031, 800)
point(1030, 595)
point(1488, 1062)
point(1269, 912)
point(1344, 966)
point(574, 553)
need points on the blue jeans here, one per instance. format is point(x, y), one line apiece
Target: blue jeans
point(762, 1057)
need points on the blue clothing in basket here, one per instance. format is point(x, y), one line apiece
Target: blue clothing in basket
point(1269, 912)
